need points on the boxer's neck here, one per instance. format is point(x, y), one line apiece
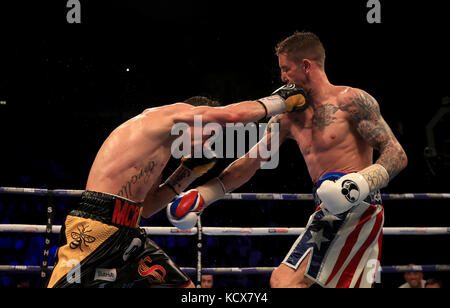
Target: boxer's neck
point(319, 87)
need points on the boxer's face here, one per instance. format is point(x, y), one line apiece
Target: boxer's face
point(292, 72)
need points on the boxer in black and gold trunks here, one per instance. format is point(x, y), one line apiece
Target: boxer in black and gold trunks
point(102, 238)
point(101, 241)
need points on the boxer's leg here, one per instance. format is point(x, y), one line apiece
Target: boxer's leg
point(286, 277)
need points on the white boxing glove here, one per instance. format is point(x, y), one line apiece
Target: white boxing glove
point(340, 196)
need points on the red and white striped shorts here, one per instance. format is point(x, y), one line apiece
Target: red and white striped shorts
point(345, 249)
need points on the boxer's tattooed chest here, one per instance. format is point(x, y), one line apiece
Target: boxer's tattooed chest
point(324, 116)
point(142, 175)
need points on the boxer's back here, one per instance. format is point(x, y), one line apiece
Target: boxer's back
point(132, 158)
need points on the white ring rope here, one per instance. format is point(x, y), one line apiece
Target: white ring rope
point(232, 196)
point(231, 231)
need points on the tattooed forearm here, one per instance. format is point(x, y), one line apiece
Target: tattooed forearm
point(365, 113)
point(376, 176)
point(145, 173)
point(180, 179)
point(393, 159)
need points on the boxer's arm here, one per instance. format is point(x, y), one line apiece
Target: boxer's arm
point(161, 194)
point(243, 169)
point(365, 113)
point(351, 189)
point(183, 212)
point(244, 112)
point(288, 98)
point(156, 200)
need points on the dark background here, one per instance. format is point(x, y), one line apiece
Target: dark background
point(66, 87)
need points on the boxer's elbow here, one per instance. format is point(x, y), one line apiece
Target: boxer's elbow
point(148, 208)
point(404, 160)
point(396, 162)
point(400, 158)
point(146, 214)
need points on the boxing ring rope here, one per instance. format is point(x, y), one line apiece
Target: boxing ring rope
point(230, 196)
point(229, 231)
point(249, 270)
point(232, 231)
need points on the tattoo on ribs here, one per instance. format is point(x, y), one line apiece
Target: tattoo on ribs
point(127, 189)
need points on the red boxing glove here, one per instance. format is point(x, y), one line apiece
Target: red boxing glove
point(184, 210)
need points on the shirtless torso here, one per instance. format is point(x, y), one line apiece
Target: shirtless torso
point(327, 136)
point(131, 160)
point(338, 131)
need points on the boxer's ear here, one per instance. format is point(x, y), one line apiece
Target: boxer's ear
point(306, 66)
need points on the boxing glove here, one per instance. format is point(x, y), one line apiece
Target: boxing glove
point(341, 195)
point(288, 98)
point(184, 210)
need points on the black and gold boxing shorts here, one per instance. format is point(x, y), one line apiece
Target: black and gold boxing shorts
point(101, 246)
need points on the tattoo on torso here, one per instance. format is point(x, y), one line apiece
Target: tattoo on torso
point(145, 173)
point(323, 116)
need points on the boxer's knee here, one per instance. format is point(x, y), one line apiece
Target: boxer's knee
point(281, 277)
point(276, 279)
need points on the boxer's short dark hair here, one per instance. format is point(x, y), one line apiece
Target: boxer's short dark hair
point(302, 45)
point(202, 101)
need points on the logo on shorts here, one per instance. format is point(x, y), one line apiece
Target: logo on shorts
point(105, 274)
point(81, 238)
point(134, 245)
point(350, 190)
point(156, 273)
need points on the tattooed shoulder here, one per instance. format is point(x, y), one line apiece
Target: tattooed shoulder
point(360, 105)
point(365, 113)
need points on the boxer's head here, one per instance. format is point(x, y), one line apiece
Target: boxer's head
point(298, 55)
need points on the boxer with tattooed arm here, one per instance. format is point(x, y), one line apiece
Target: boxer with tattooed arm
point(337, 134)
